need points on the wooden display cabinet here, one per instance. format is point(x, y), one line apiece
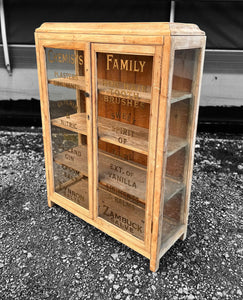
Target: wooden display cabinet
point(119, 105)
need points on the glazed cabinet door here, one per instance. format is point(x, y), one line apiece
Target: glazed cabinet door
point(125, 82)
point(67, 107)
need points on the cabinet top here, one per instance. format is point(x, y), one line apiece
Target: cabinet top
point(147, 29)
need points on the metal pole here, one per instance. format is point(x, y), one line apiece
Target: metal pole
point(4, 38)
point(172, 11)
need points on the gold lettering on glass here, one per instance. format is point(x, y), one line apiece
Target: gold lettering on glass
point(64, 58)
point(121, 64)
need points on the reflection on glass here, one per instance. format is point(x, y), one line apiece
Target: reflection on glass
point(65, 71)
point(182, 100)
point(124, 97)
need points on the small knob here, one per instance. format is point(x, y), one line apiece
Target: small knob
point(86, 94)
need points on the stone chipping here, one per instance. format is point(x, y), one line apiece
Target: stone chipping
point(48, 253)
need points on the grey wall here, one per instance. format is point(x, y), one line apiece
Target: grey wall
point(221, 20)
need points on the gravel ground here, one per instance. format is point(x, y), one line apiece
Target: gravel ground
point(48, 253)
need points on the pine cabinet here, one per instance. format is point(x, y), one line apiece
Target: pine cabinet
point(119, 104)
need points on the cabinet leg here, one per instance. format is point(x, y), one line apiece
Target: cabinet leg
point(183, 237)
point(50, 203)
point(154, 265)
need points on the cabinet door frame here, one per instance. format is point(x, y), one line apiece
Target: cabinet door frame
point(52, 196)
point(140, 246)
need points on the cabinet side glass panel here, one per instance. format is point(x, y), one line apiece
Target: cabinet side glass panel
point(124, 97)
point(179, 141)
point(65, 74)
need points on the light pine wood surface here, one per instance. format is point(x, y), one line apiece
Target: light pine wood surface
point(124, 161)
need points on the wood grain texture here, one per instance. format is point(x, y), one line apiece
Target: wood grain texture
point(86, 104)
point(150, 29)
point(45, 117)
point(160, 157)
point(57, 39)
point(79, 83)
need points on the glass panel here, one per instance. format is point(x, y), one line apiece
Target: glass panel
point(124, 97)
point(65, 72)
point(181, 110)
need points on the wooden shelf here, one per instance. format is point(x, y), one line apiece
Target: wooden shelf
point(179, 95)
point(175, 144)
point(125, 135)
point(113, 171)
point(106, 88)
point(171, 232)
point(119, 89)
point(75, 122)
point(75, 82)
point(75, 190)
point(78, 82)
point(121, 134)
point(172, 187)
